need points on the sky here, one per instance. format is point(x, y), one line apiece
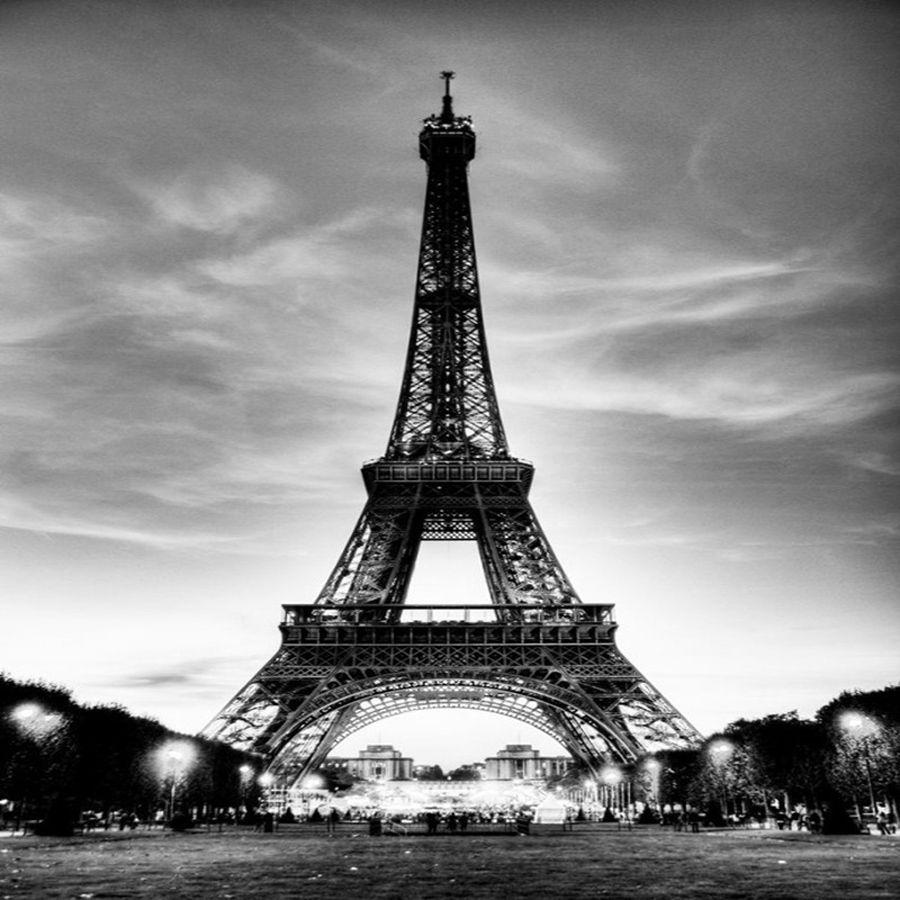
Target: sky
point(686, 219)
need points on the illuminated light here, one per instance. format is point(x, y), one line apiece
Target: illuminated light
point(854, 721)
point(174, 759)
point(35, 721)
point(652, 764)
point(721, 749)
point(266, 779)
point(611, 775)
point(176, 756)
point(26, 712)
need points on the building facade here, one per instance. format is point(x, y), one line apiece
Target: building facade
point(523, 762)
point(378, 762)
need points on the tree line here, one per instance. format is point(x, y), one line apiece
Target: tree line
point(60, 759)
point(842, 766)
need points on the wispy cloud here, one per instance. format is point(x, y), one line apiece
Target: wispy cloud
point(35, 228)
point(322, 253)
point(875, 461)
point(183, 673)
point(162, 410)
point(746, 390)
point(218, 200)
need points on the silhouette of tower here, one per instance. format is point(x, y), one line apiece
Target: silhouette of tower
point(360, 653)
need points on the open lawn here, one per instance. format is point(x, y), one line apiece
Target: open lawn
point(303, 862)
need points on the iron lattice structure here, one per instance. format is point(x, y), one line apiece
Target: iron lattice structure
point(360, 653)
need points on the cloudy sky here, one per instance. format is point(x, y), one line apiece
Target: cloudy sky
point(686, 221)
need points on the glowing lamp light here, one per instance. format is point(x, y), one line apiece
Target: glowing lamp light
point(313, 783)
point(27, 712)
point(35, 721)
point(611, 776)
point(177, 756)
point(721, 749)
point(652, 765)
point(857, 722)
point(266, 779)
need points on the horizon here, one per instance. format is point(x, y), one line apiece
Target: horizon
point(686, 239)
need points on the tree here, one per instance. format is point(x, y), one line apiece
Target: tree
point(59, 759)
point(465, 773)
point(863, 760)
point(780, 757)
point(678, 777)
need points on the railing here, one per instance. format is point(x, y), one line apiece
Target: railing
point(402, 613)
point(449, 470)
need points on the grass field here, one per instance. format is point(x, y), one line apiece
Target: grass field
point(305, 863)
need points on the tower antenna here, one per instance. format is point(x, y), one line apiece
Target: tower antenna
point(447, 111)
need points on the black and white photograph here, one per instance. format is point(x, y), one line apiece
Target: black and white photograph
point(449, 449)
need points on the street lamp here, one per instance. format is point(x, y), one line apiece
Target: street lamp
point(42, 727)
point(34, 721)
point(590, 790)
point(26, 712)
point(175, 759)
point(246, 771)
point(861, 727)
point(654, 768)
point(720, 751)
point(611, 777)
point(311, 785)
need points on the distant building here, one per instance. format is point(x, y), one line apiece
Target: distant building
point(378, 762)
point(381, 762)
point(522, 761)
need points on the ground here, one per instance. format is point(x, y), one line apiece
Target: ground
point(302, 861)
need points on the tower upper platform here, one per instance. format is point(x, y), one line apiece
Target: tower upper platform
point(447, 137)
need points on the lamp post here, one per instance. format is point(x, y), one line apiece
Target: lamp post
point(265, 781)
point(612, 777)
point(39, 726)
point(590, 794)
point(311, 784)
point(861, 726)
point(654, 769)
point(175, 759)
point(720, 751)
point(246, 777)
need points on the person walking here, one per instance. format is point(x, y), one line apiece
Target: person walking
point(331, 821)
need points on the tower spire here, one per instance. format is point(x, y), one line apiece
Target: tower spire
point(447, 111)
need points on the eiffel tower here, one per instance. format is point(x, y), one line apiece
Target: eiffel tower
point(536, 652)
